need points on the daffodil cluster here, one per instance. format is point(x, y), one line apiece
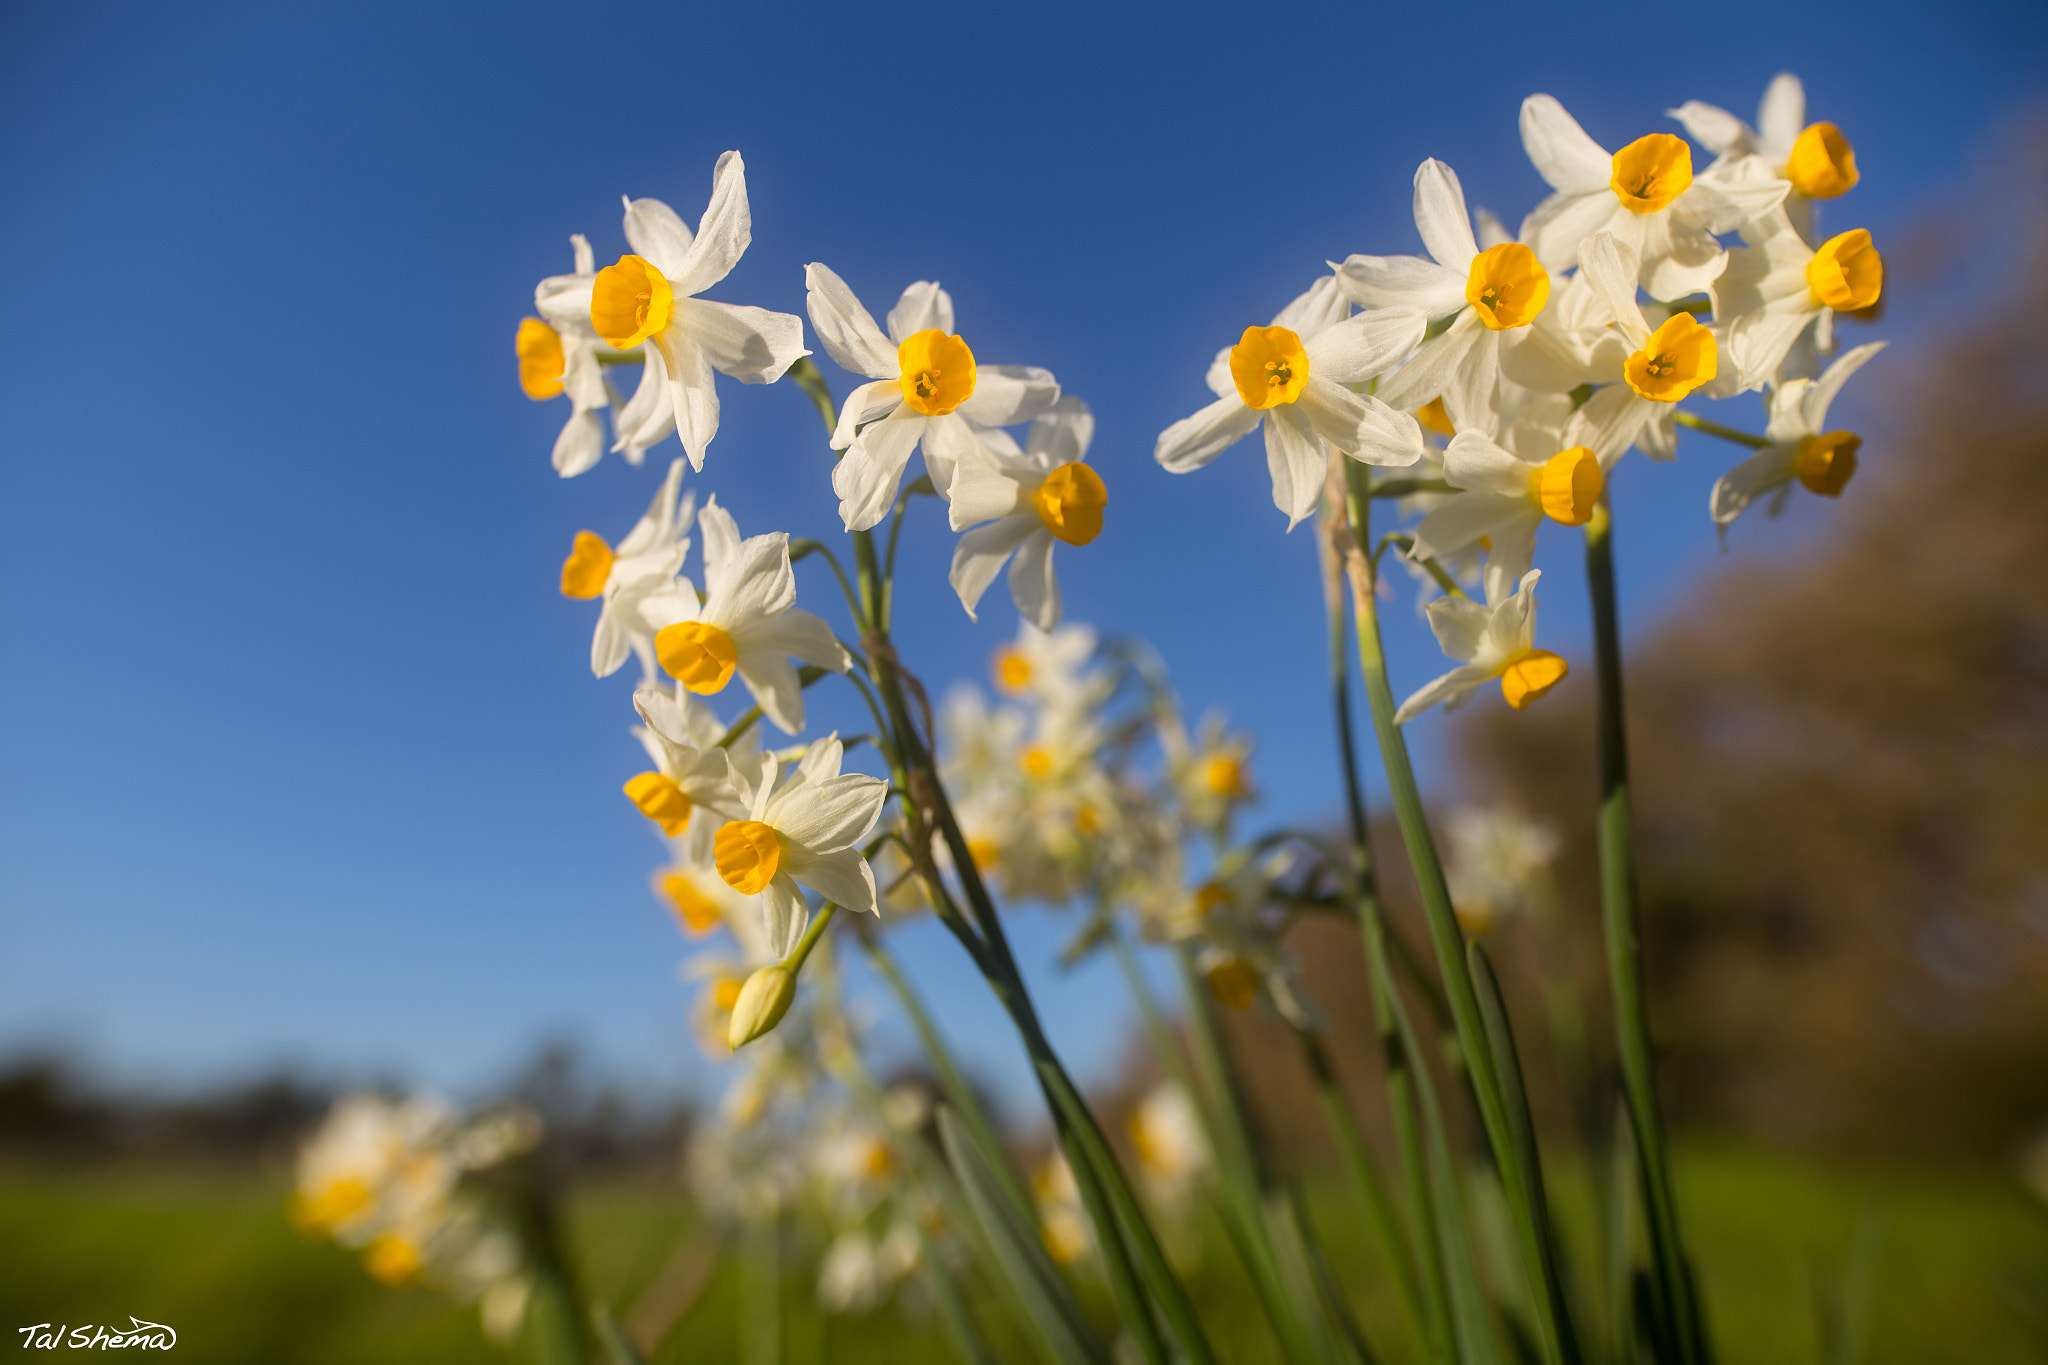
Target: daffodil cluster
point(1506, 374)
point(387, 1177)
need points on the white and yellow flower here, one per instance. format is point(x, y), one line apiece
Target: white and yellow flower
point(1505, 499)
point(1491, 297)
point(1665, 367)
point(1028, 500)
point(924, 387)
point(1496, 858)
point(1646, 195)
point(800, 833)
point(1496, 641)
point(648, 299)
point(636, 580)
point(1777, 286)
point(1290, 378)
point(1814, 158)
point(558, 353)
point(746, 623)
point(1802, 450)
point(691, 773)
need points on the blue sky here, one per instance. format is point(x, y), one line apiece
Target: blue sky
point(300, 758)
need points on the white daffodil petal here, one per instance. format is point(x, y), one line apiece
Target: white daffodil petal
point(981, 553)
point(867, 476)
point(753, 345)
point(844, 878)
point(1193, 441)
point(1435, 367)
point(1294, 458)
point(772, 682)
point(802, 635)
point(1320, 305)
point(1401, 282)
point(831, 814)
point(1769, 468)
point(1782, 115)
point(785, 914)
point(1450, 688)
point(1814, 407)
point(1608, 422)
point(580, 445)
point(980, 491)
point(923, 307)
point(1459, 624)
point(1473, 462)
point(1555, 227)
point(871, 402)
point(1461, 521)
point(1712, 126)
point(1061, 436)
point(564, 301)
point(1440, 215)
point(1006, 394)
point(658, 235)
point(1560, 149)
point(1365, 346)
point(691, 391)
point(722, 233)
point(845, 329)
point(1033, 586)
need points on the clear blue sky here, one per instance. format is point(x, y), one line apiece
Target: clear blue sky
point(300, 758)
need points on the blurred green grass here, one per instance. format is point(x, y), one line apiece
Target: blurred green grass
point(1963, 1277)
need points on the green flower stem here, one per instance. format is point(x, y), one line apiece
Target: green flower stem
point(1401, 488)
point(1741, 438)
point(1621, 917)
point(812, 933)
point(1522, 1181)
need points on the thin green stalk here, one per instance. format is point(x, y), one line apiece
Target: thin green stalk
point(1521, 1180)
point(1621, 918)
point(802, 549)
point(1741, 438)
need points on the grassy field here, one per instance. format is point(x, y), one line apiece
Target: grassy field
point(1963, 1274)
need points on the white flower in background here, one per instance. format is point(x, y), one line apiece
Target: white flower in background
point(1802, 450)
point(1496, 858)
point(558, 354)
point(639, 575)
point(1211, 775)
point(859, 1270)
point(1815, 158)
point(1778, 286)
point(1506, 498)
point(1240, 953)
point(1646, 195)
point(1489, 642)
point(800, 833)
point(1052, 669)
point(1491, 297)
point(1666, 365)
point(1290, 378)
point(1166, 1133)
point(1062, 1221)
point(747, 623)
point(647, 299)
point(1042, 494)
point(924, 387)
point(690, 771)
point(699, 898)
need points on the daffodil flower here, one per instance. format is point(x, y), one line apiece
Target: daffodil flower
point(1506, 498)
point(1028, 500)
point(747, 623)
point(1666, 365)
point(800, 833)
point(1490, 641)
point(691, 773)
point(1646, 195)
point(1778, 286)
point(1491, 296)
point(648, 299)
point(1802, 450)
point(1291, 378)
point(558, 354)
point(924, 387)
point(1813, 158)
point(636, 580)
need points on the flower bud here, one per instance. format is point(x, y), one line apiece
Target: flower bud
point(762, 1003)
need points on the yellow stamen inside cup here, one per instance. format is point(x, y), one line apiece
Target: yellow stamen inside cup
point(1223, 775)
point(1846, 273)
point(938, 372)
point(1269, 367)
point(1822, 164)
point(392, 1260)
point(1012, 670)
point(1070, 503)
point(1651, 172)
point(1529, 675)
point(1507, 288)
point(1568, 486)
point(661, 801)
point(697, 654)
point(1433, 416)
point(541, 365)
point(1678, 358)
point(1234, 983)
point(588, 566)
point(747, 853)
point(698, 912)
point(1826, 463)
point(630, 302)
point(1036, 760)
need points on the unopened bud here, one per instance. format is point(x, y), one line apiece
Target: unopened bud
point(762, 1003)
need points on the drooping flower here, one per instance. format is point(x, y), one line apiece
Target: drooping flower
point(1814, 158)
point(691, 773)
point(1491, 297)
point(1490, 641)
point(648, 299)
point(800, 832)
point(1291, 378)
point(1505, 499)
point(1646, 195)
point(1777, 286)
point(636, 580)
point(1028, 500)
point(925, 387)
point(558, 354)
point(747, 623)
point(1802, 450)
